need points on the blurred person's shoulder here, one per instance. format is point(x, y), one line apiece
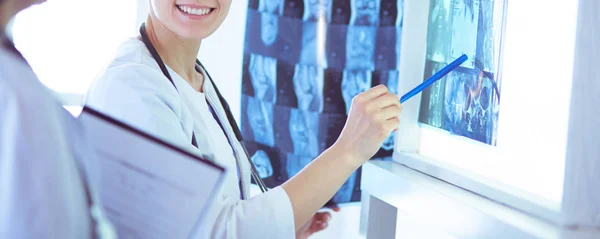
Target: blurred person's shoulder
point(20, 88)
point(18, 80)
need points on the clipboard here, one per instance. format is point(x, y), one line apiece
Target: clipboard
point(148, 187)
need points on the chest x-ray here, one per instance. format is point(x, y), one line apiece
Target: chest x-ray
point(467, 101)
point(317, 10)
point(308, 86)
point(360, 47)
point(262, 162)
point(260, 117)
point(354, 83)
point(304, 131)
point(364, 12)
point(263, 75)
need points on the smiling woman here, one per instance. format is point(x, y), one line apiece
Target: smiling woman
point(188, 19)
point(157, 85)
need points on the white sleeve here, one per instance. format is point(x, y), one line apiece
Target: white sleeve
point(269, 216)
point(143, 97)
point(41, 192)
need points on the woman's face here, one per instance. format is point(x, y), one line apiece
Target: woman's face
point(191, 19)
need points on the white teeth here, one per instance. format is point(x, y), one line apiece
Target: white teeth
point(194, 11)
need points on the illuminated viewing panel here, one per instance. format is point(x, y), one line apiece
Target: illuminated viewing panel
point(501, 119)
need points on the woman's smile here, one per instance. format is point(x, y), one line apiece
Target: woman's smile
point(195, 11)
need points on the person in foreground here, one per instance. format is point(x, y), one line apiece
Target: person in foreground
point(44, 188)
point(179, 102)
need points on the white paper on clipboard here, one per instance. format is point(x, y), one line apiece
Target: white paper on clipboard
point(149, 188)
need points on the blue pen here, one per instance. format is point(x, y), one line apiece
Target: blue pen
point(437, 76)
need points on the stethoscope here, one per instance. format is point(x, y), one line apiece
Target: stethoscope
point(234, 126)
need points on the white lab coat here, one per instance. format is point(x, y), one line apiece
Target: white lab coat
point(42, 152)
point(133, 89)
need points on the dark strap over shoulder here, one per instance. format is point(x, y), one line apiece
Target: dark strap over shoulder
point(155, 54)
point(234, 125)
point(162, 66)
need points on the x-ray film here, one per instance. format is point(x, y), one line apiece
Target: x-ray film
point(305, 60)
point(304, 130)
point(313, 44)
point(467, 101)
point(308, 86)
point(354, 83)
point(317, 10)
point(364, 12)
point(293, 8)
point(263, 75)
point(260, 117)
point(261, 161)
point(271, 6)
point(360, 48)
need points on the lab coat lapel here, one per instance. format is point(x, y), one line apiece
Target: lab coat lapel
point(240, 155)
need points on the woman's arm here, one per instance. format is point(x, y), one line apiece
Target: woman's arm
point(373, 116)
point(138, 95)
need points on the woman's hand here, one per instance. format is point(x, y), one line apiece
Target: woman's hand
point(317, 223)
point(374, 114)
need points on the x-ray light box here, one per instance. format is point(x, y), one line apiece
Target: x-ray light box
point(498, 125)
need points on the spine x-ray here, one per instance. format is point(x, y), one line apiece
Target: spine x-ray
point(304, 61)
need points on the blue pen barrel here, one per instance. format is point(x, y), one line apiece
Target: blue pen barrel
point(437, 76)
